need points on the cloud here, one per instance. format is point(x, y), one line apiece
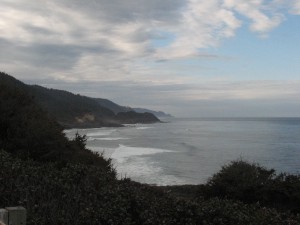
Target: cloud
point(136, 52)
point(205, 23)
point(258, 12)
point(99, 37)
point(202, 24)
point(296, 7)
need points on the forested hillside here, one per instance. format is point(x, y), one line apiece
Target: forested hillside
point(75, 111)
point(156, 113)
point(118, 108)
point(27, 131)
point(113, 106)
point(72, 110)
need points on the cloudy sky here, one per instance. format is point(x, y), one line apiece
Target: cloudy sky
point(185, 57)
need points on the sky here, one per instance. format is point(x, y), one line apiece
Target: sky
point(190, 58)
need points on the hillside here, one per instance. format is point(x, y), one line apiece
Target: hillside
point(118, 108)
point(113, 106)
point(76, 111)
point(28, 132)
point(59, 181)
point(156, 113)
point(132, 117)
point(72, 110)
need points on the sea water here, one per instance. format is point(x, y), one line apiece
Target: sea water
point(190, 151)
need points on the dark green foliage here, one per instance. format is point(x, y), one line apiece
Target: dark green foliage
point(72, 110)
point(228, 212)
point(80, 140)
point(134, 117)
point(75, 111)
point(112, 106)
point(81, 194)
point(25, 128)
point(187, 191)
point(282, 192)
point(252, 183)
point(156, 113)
point(51, 194)
point(239, 180)
point(27, 131)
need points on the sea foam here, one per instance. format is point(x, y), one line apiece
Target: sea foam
point(100, 133)
point(123, 152)
point(107, 138)
point(143, 128)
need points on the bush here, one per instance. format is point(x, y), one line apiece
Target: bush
point(217, 211)
point(27, 132)
point(80, 194)
point(252, 183)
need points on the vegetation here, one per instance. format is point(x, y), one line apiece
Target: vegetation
point(134, 117)
point(81, 194)
point(59, 181)
point(72, 110)
point(76, 111)
point(117, 108)
point(113, 106)
point(251, 183)
point(27, 132)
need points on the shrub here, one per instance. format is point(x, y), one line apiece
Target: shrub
point(80, 194)
point(251, 183)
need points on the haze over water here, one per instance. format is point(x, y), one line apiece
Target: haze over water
point(189, 151)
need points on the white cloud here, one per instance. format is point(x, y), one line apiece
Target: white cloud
point(128, 27)
point(205, 23)
point(108, 40)
point(256, 10)
point(296, 7)
point(202, 25)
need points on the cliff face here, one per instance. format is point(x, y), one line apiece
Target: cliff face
point(76, 111)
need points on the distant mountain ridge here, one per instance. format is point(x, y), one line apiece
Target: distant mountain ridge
point(118, 108)
point(76, 111)
point(156, 113)
point(113, 106)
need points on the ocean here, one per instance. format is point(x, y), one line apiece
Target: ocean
point(190, 151)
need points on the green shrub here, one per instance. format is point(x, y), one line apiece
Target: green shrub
point(230, 212)
point(252, 183)
point(27, 131)
point(80, 194)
